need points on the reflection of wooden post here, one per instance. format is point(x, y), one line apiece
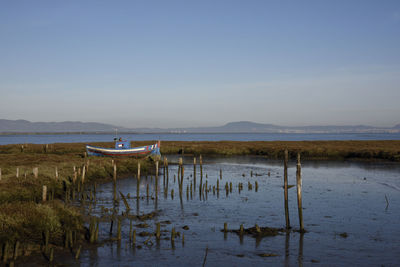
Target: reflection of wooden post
point(299, 196)
point(285, 175)
point(158, 232)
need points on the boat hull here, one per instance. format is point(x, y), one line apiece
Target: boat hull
point(129, 152)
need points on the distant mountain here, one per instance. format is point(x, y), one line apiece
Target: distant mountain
point(252, 127)
point(21, 126)
point(66, 126)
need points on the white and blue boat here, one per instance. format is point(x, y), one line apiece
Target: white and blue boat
point(123, 149)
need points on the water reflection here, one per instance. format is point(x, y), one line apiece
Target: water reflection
point(202, 212)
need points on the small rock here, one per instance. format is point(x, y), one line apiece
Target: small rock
point(267, 255)
point(344, 235)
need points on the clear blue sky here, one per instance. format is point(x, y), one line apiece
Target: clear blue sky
point(198, 63)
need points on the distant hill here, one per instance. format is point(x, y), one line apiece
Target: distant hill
point(66, 126)
point(23, 126)
point(252, 127)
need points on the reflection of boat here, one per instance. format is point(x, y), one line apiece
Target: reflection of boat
point(123, 148)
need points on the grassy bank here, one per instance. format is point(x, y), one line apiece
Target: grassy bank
point(324, 150)
point(28, 224)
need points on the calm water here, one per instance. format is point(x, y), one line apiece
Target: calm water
point(74, 138)
point(337, 198)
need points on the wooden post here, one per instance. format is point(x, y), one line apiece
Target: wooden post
point(166, 162)
point(138, 182)
point(0, 174)
point(157, 168)
point(220, 174)
point(17, 174)
point(83, 174)
point(194, 172)
point(201, 173)
point(115, 172)
point(182, 175)
point(164, 168)
point(156, 179)
point(44, 193)
point(56, 173)
point(299, 194)
point(285, 175)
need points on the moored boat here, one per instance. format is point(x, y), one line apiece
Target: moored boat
point(123, 148)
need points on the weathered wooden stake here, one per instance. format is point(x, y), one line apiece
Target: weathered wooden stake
point(17, 174)
point(194, 172)
point(157, 169)
point(156, 180)
point(285, 177)
point(182, 175)
point(138, 183)
point(201, 173)
point(56, 170)
point(164, 176)
point(220, 174)
point(115, 172)
point(299, 194)
point(44, 193)
point(83, 174)
point(16, 250)
point(0, 174)
point(78, 252)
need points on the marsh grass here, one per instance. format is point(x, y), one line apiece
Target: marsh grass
point(323, 150)
point(24, 217)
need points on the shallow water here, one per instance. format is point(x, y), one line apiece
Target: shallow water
point(337, 198)
point(6, 139)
